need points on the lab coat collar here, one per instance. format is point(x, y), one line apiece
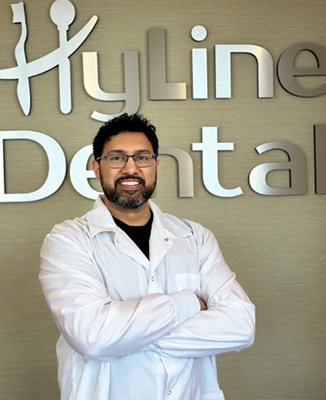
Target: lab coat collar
point(100, 220)
point(174, 227)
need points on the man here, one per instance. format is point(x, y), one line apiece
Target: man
point(143, 300)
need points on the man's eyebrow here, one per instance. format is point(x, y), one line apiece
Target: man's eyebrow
point(116, 151)
point(141, 151)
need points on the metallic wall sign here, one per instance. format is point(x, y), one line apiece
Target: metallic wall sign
point(210, 147)
point(62, 14)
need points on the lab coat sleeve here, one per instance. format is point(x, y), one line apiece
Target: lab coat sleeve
point(229, 322)
point(91, 323)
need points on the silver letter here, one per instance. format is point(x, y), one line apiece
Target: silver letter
point(199, 74)
point(62, 13)
point(199, 65)
point(23, 89)
point(59, 57)
point(287, 72)
point(79, 176)
point(296, 165)
point(320, 159)
point(223, 69)
point(159, 89)
point(210, 148)
point(131, 76)
point(57, 166)
point(185, 170)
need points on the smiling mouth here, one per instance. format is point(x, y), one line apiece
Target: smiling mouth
point(130, 184)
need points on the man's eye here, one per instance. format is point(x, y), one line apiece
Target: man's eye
point(116, 158)
point(142, 157)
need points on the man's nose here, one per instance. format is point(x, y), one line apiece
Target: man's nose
point(130, 165)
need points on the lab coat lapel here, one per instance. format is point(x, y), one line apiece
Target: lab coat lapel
point(128, 247)
point(164, 232)
point(159, 245)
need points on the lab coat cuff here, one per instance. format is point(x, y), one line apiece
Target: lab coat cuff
point(186, 305)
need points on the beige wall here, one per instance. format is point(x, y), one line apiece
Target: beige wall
point(276, 245)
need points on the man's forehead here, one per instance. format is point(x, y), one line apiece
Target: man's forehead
point(126, 140)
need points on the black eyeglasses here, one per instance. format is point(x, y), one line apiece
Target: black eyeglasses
point(142, 160)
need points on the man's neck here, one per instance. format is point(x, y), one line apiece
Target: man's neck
point(132, 217)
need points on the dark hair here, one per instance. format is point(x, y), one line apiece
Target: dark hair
point(124, 123)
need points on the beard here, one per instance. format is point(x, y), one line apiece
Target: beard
point(129, 199)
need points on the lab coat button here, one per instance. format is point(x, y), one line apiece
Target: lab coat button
point(166, 239)
point(152, 278)
point(169, 392)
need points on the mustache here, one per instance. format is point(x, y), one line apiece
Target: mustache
point(135, 177)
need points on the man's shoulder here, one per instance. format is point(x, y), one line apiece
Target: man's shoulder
point(183, 223)
point(69, 227)
point(95, 220)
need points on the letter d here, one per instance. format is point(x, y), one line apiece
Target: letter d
point(56, 166)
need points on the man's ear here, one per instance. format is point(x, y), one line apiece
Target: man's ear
point(96, 169)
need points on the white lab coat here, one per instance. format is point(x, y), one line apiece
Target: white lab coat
point(131, 328)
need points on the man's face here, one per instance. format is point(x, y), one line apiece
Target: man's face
point(129, 187)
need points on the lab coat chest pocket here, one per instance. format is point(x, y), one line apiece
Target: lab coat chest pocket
point(189, 281)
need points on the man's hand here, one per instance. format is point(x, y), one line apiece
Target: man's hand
point(203, 305)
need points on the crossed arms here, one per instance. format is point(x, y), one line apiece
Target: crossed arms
point(180, 324)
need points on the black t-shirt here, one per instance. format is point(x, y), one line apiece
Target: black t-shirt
point(139, 234)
